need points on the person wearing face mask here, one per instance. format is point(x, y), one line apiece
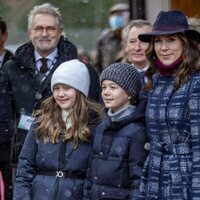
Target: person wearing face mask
point(109, 44)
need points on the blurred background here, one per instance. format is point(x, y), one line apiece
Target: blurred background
point(85, 19)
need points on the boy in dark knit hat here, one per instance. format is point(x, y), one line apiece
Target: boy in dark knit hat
point(119, 148)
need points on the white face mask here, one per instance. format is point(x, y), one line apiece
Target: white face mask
point(116, 22)
point(119, 21)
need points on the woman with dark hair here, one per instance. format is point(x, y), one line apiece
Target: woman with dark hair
point(172, 169)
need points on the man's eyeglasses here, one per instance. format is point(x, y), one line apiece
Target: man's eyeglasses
point(48, 29)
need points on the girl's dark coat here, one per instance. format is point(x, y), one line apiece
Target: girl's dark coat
point(36, 158)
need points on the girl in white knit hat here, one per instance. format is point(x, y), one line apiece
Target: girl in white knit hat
point(54, 158)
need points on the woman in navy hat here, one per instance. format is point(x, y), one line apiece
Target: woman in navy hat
point(172, 169)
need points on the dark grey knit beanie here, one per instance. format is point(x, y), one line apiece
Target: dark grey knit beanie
point(124, 75)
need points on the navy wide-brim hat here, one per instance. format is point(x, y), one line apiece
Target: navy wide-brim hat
point(170, 22)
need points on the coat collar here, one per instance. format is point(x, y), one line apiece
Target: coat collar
point(24, 55)
point(137, 116)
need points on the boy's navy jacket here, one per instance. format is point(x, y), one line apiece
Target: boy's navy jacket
point(118, 156)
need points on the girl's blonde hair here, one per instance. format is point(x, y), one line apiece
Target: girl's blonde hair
point(52, 127)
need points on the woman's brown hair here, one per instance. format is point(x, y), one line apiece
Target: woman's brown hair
point(190, 64)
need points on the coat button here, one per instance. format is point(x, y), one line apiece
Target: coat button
point(95, 178)
point(101, 153)
point(147, 146)
point(103, 193)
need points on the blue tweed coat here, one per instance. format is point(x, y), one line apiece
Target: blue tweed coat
point(172, 169)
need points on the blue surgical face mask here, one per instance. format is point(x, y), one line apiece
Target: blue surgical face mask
point(116, 22)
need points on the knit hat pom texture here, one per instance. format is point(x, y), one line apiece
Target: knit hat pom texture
point(124, 75)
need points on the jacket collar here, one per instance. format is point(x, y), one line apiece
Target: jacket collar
point(24, 55)
point(137, 116)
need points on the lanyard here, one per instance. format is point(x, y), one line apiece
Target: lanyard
point(39, 95)
point(50, 67)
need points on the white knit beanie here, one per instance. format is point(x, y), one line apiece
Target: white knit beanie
point(72, 73)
